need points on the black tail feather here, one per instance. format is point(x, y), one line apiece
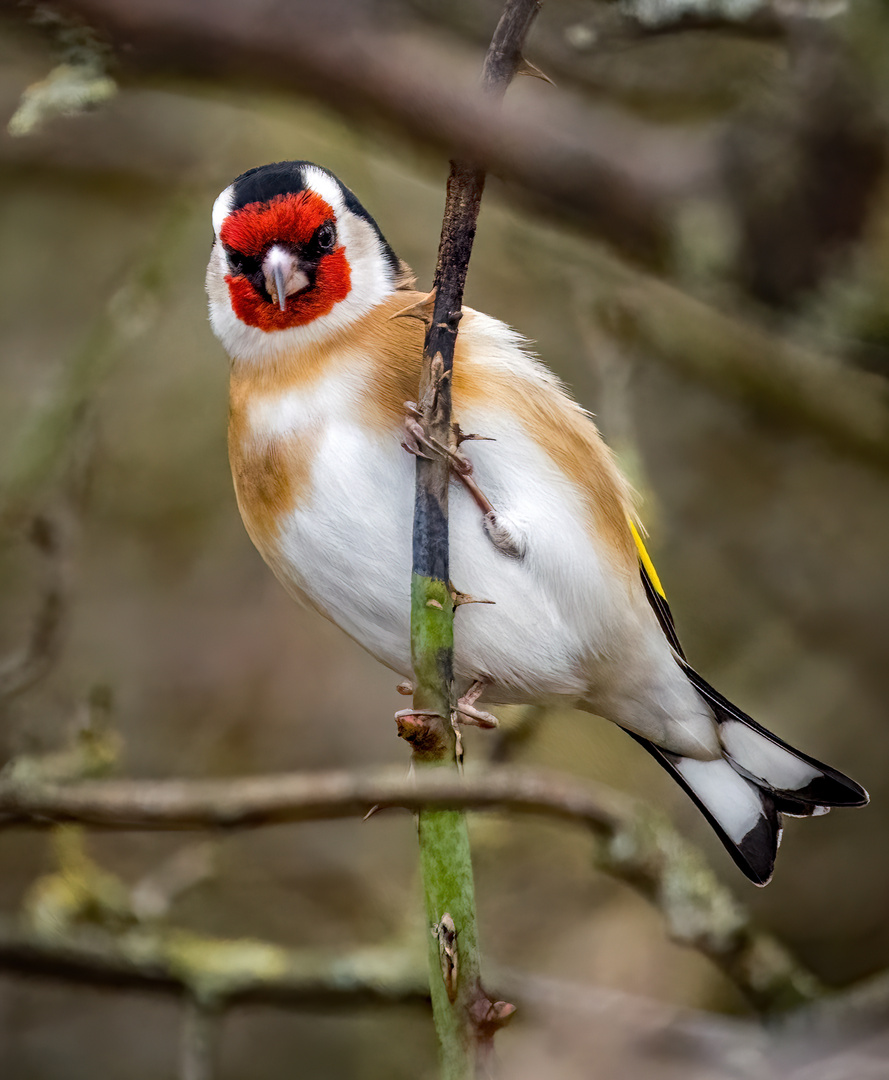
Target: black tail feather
point(831, 788)
point(754, 855)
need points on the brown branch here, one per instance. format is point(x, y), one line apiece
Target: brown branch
point(250, 802)
point(577, 161)
point(801, 389)
point(636, 846)
point(217, 972)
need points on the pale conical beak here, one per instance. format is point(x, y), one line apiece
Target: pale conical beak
point(280, 285)
point(283, 276)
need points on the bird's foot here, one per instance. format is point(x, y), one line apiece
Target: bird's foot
point(417, 442)
point(422, 727)
point(468, 714)
point(503, 536)
point(414, 438)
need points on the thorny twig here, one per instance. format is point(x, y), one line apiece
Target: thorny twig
point(466, 1018)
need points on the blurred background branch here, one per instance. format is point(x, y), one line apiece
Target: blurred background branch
point(638, 846)
point(26, 666)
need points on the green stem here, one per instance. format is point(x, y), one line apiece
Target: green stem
point(446, 867)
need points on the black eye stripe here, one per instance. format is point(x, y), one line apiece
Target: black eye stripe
point(240, 263)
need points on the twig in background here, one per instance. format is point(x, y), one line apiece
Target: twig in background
point(43, 451)
point(187, 868)
point(20, 671)
point(199, 1035)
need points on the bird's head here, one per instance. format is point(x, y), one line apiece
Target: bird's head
point(296, 257)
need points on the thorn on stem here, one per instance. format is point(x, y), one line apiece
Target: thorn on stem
point(460, 598)
point(421, 310)
point(459, 437)
point(525, 67)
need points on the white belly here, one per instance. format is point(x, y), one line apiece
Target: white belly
point(348, 549)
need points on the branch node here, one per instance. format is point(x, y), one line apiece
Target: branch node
point(418, 727)
point(489, 1016)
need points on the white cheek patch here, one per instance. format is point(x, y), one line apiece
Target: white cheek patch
point(222, 207)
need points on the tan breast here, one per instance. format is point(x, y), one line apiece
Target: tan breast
point(272, 475)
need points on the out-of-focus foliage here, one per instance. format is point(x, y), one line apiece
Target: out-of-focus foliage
point(771, 545)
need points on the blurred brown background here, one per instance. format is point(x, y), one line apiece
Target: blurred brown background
point(771, 540)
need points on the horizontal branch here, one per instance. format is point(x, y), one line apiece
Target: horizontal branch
point(215, 971)
point(636, 846)
point(579, 161)
point(809, 391)
point(249, 802)
point(221, 973)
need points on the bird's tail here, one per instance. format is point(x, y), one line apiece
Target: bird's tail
point(759, 778)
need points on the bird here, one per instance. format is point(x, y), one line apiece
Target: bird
point(304, 293)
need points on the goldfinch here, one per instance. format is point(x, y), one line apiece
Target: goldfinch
point(303, 288)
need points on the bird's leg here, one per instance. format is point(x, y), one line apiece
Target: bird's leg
point(416, 441)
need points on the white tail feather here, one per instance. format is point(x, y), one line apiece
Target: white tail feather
point(763, 760)
point(733, 801)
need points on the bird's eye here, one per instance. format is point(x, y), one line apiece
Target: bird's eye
point(239, 263)
point(325, 237)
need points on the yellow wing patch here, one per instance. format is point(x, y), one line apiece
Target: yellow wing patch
point(645, 559)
